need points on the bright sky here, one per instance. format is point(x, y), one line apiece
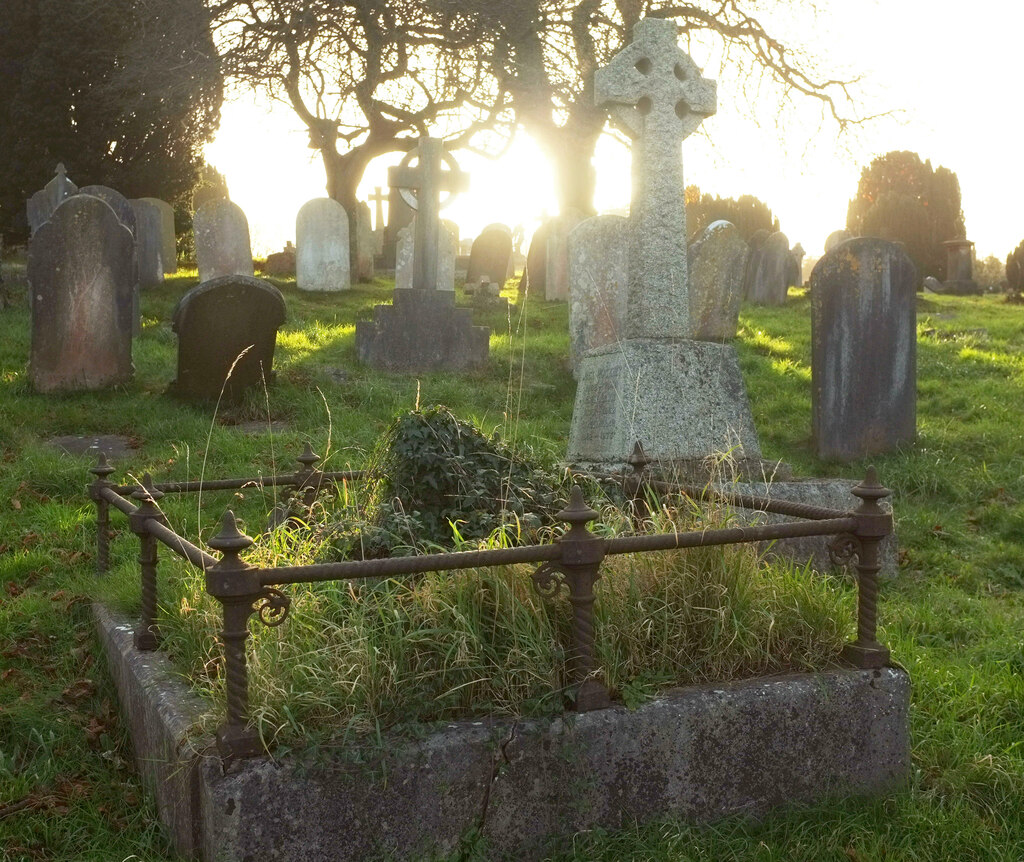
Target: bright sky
point(952, 72)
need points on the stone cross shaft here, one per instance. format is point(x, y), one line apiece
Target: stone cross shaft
point(378, 197)
point(655, 94)
point(429, 180)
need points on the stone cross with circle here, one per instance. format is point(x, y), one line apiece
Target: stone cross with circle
point(654, 92)
point(428, 180)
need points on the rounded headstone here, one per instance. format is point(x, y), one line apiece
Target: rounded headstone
point(835, 238)
point(717, 260)
point(322, 246)
point(222, 240)
point(598, 283)
point(168, 242)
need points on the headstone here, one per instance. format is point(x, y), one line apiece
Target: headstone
point(43, 203)
point(535, 275)
point(423, 330)
point(863, 349)
point(149, 243)
point(400, 214)
point(445, 257)
point(361, 244)
point(717, 260)
point(796, 266)
point(960, 268)
point(281, 263)
point(556, 255)
point(80, 277)
point(767, 271)
point(681, 399)
point(168, 243)
point(377, 199)
point(835, 238)
point(126, 215)
point(598, 277)
point(490, 255)
point(322, 246)
point(932, 285)
point(222, 240)
point(227, 330)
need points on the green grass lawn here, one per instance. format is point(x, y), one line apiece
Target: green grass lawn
point(954, 617)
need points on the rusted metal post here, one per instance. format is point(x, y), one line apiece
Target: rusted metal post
point(634, 489)
point(308, 479)
point(147, 635)
point(101, 471)
point(582, 553)
point(873, 525)
point(236, 585)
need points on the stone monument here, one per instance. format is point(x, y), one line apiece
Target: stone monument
point(681, 399)
point(149, 243)
point(80, 270)
point(960, 268)
point(490, 255)
point(863, 349)
point(405, 254)
point(227, 330)
point(768, 270)
point(423, 330)
point(168, 243)
point(717, 260)
point(222, 240)
point(322, 246)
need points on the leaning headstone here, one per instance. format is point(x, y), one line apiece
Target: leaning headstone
point(767, 282)
point(598, 276)
point(322, 246)
point(222, 240)
point(80, 276)
point(423, 330)
point(836, 238)
point(445, 257)
point(43, 203)
point(490, 255)
point(682, 399)
point(863, 349)
point(717, 260)
point(149, 242)
point(227, 330)
point(168, 244)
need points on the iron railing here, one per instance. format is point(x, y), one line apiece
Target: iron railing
point(572, 562)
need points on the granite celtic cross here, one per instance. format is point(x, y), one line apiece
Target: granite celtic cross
point(429, 180)
point(655, 93)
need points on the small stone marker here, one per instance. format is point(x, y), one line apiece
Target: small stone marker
point(796, 264)
point(227, 330)
point(281, 263)
point(598, 276)
point(717, 261)
point(445, 256)
point(836, 238)
point(80, 275)
point(322, 246)
point(222, 240)
point(863, 349)
point(767, 271)
point(168, 243)
point(423, 330)
point(490, 255)
point(43, 203)
point(682, 399)
point(149, 243)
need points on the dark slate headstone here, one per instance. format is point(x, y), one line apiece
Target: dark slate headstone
point(80, 275)
point(218, 320)
point(490, 256)
point(863, 349)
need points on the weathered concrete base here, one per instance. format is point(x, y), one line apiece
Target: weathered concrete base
point(683, 400)
point(698, 753)
point(827, 493)
point(422, 331)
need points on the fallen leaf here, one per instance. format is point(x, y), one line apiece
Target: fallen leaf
point(16, 503)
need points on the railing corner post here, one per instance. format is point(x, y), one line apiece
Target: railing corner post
point(580, 560)
point(308, 478)
point(101, 470)
point(873, 525)
point(147, 635)
point(236, 585)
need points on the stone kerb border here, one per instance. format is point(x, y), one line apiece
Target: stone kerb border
point(700, 753)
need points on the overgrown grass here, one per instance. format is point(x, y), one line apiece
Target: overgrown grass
point(953, 617)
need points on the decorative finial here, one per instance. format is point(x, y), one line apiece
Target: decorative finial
point(230, 540)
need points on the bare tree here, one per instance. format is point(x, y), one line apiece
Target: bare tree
point(366, 78)
point(546, 51)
